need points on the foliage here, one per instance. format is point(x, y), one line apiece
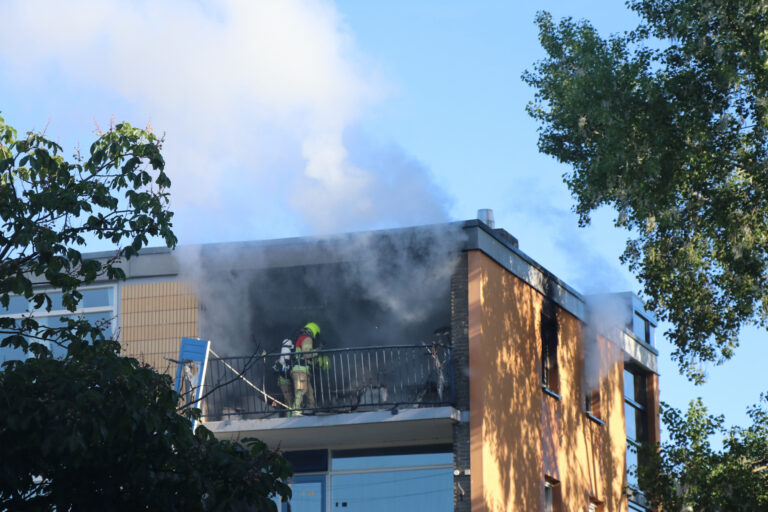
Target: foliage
point(669, 125)
point(93, 430)
point(688, 472)
point(96, 431)
point(50, 207)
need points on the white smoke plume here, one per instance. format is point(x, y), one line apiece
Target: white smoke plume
point(608, 315)
point(256, 99)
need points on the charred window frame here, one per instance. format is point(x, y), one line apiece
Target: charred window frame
point(592, 406)
point(550, 378)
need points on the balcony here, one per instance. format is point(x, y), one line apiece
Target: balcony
point(343, 380)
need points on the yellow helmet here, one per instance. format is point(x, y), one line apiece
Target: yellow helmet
point(313, 328)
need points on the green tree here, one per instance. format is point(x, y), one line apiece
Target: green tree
point(93, 430)
point(668, 124)
point(686, 473)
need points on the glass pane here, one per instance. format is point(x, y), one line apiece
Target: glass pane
point(51, 321)
point(629, 385)
point(307, 497)
point(405, 491)
point(11, 354)
point(638, 327)
point(57, 351)
point(631, 465)
point(307, 461)
point(98, 297)
point(651, 335)
point(548, 499)
point(631, 421)
point(103, 320)
point(391, 461)
point(56, 304)
point(16, 305)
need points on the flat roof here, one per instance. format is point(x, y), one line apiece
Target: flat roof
point(472, 234)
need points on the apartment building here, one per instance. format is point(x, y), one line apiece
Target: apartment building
point(452, 371)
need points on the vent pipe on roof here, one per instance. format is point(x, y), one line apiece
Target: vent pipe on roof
point(486, 216)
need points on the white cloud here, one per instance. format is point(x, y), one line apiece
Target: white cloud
point(252, 95)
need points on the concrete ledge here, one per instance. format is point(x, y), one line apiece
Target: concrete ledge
point(640, 353)
point(429, 425)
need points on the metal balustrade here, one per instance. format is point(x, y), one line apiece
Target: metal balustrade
point(342, 380)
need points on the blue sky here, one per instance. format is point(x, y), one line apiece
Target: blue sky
point(306, 116)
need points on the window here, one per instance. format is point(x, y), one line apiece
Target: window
point(642, 328)
point(97, 306)
point(549, 499)
point(549, 333)
point(552, 497)
point(418, 479)
point(636, 417)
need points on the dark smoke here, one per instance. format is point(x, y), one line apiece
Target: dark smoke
point(365, 289)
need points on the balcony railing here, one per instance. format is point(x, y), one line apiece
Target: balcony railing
point(342, 380)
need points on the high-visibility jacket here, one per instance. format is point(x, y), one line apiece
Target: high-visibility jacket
point(303, 344)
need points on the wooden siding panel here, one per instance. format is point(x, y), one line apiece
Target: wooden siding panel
point(154, 318)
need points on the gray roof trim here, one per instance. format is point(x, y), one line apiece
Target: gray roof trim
point(496, 243)
point(524, 267)
point(640, 353)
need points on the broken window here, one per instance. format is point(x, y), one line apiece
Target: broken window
point(549, 334)
point(592, 404)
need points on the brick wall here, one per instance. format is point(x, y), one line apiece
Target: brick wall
point(460, 343)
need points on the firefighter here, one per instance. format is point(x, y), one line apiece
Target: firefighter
point(282, 368)
point(300, 371)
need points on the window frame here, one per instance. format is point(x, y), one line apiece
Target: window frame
point(333, 471)
point(42, 313)
point(58, 313)
point(592, 403)
point(640, 405)
point(644, 333)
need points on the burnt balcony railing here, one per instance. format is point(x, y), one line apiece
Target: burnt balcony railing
point(342, 380)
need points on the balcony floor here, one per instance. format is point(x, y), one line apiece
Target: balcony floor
point(430, 425)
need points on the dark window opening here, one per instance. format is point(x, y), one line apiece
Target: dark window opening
point(549, 335)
